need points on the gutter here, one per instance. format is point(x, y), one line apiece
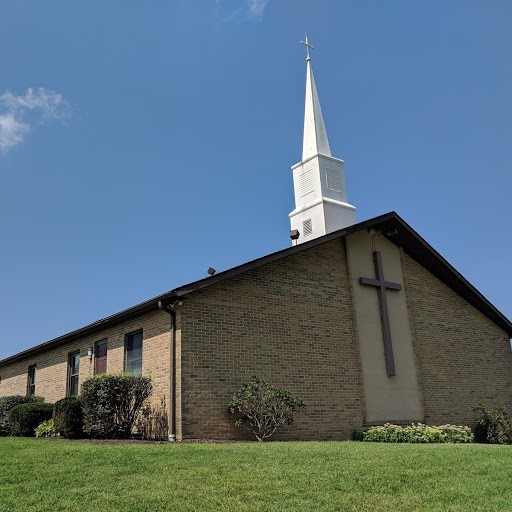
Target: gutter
point(172, 390)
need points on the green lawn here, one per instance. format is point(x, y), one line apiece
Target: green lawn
point(39, 474)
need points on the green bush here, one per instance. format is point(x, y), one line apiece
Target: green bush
point(494, 426)
point(415, 433)
point(358, 435)
point(111, 403)
point(46, 429)
point(263, 407)
point(68, 417)
point(24, 418)
point(7, 403)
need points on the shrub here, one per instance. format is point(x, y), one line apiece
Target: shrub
point(494, 426)
point(24, 418)
point(68, 417)
point(358, 435)
point(415, 433)
point(7, 403)
point(111, 403)
point(46, 429)
point(264, 407)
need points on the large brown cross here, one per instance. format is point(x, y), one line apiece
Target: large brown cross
point(381, 285)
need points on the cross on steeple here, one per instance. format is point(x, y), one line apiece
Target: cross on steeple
point(308, 46)
point(382, 285)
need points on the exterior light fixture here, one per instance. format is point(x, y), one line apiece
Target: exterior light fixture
point(294, 235)
point(211, 271)
point(89, 353)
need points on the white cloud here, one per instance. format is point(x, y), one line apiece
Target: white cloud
point(234, 10)
point(256, 7)
point(11, 131)
point(40, 105)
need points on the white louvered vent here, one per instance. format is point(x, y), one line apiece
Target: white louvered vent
point(307, 227)
point(333, 179)
point(306, 183)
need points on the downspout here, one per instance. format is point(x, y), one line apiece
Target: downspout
point(172, 393)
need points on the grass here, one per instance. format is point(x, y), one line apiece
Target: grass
point(39, 474)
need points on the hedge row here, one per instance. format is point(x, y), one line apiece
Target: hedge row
point(24, 418)
point(9, 402)
point(109, 407)
point(415, 433)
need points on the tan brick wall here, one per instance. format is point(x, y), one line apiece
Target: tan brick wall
point(462, 357)
point(52, 365)
point(290, 322)
point(293, 323)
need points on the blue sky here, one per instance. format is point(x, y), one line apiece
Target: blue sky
point(142, 142)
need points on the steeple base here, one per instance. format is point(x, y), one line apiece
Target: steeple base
point(321, 216)
point(320, 198)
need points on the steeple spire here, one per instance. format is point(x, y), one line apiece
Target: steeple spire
point(315, 137)
point(320, 196)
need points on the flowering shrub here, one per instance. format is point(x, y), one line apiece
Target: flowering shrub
point(415, 433)
point(264, 407)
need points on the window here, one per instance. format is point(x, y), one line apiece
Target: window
point(73, 366)
point(134, 352)
point(31, 384)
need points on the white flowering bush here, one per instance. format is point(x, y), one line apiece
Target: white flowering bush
point(415, 433)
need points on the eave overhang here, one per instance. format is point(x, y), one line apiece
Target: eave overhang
point(391, 226)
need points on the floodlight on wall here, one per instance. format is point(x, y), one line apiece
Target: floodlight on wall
point(294, 235)
point(89, 353)
point(211, 271)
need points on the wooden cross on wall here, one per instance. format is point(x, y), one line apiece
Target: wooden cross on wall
point(382, 285)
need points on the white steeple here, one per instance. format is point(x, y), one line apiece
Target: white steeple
point(315, 137)
point(320, 196)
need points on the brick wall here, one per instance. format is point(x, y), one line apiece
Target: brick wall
point(462, 357)
point(52, 365)
point(290, 322)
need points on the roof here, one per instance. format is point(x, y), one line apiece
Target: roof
point(391, 225)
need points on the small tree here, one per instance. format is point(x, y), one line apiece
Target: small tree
point(263, 407)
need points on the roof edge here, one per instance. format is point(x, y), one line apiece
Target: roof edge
point(432, 261)
point(109, 321)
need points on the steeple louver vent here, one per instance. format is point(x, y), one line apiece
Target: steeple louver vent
point(307, 227)
point(306, 183)
point(333, 179)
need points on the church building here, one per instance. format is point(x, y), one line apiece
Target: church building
point(364, 321)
